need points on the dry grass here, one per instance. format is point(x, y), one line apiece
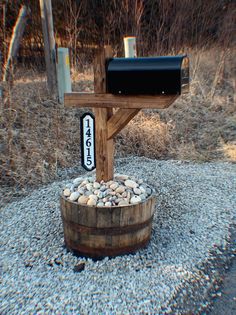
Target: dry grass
point(38, 136)
point(146, 135)
point(229, 151)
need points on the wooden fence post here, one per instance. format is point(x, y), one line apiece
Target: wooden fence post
point(49, 45)
point(63, 73)
point(1, 88)
point(130, 47)
point(17, 33)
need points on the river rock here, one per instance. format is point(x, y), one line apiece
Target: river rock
point(128, 195)
point(67, 192)
point(123, 190)
point(83, 200)
point(87, 193)
point(100, 195)
point(114, 186)
point(135, 199)
point(94, 197)
point(120, 189)
point(143, 190)
point(91, 202)
point(130, 183)
point(90, 179)
point(89, 186)
point(103, 188)
point(123, 203)
point(108, 204)
point(107, 192)
point(124, 194)
point(74, 196)
point(96, 185)
point(81, 190)
point(118, 196)
point(72, 188)
point(117, 200)
point(84, 182)
point(137, 191)
point(121, 177)
point(77, 181)
point(142, 196)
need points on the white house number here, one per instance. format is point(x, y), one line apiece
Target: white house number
point(88, 142)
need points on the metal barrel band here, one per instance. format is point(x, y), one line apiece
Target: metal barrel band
point(104, 251)
point(108, 230)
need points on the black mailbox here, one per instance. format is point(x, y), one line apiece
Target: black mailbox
point(166, 75)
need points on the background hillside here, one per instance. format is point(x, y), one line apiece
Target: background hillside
point(161, 26)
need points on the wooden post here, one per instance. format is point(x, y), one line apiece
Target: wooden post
point(4, 32)
point(104, 146)
point(1, 88)
point(63, 73)
point(49, 45)
point(17, 33)
point(130, 47)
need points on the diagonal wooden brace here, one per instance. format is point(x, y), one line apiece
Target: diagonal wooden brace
point(119, 120)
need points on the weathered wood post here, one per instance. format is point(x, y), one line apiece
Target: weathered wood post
point(63, 72)
point(130, 47)
point(1, 88)
point(104, 146)
point(17, 33)
point(49, 45)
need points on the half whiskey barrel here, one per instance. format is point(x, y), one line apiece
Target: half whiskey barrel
point(106, 231)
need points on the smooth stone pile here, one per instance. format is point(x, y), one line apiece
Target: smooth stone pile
point(122, 191)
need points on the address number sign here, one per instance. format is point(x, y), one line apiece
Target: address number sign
point(87, 123)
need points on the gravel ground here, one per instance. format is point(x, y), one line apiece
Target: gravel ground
point(175, 274)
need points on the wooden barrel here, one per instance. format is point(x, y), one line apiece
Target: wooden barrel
point(106, 231)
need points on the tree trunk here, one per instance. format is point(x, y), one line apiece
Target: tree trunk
point(49, 45)
point(17, 33)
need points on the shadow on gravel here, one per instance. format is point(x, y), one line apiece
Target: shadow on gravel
point(226, 303)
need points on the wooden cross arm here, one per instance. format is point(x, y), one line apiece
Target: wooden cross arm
point(104, 100)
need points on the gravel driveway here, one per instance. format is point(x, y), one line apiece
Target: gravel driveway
point(177, 273)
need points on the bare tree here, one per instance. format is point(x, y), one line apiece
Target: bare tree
point(17, 33)
point(49, 45)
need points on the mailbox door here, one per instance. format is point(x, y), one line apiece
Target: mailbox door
point(185, 75)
